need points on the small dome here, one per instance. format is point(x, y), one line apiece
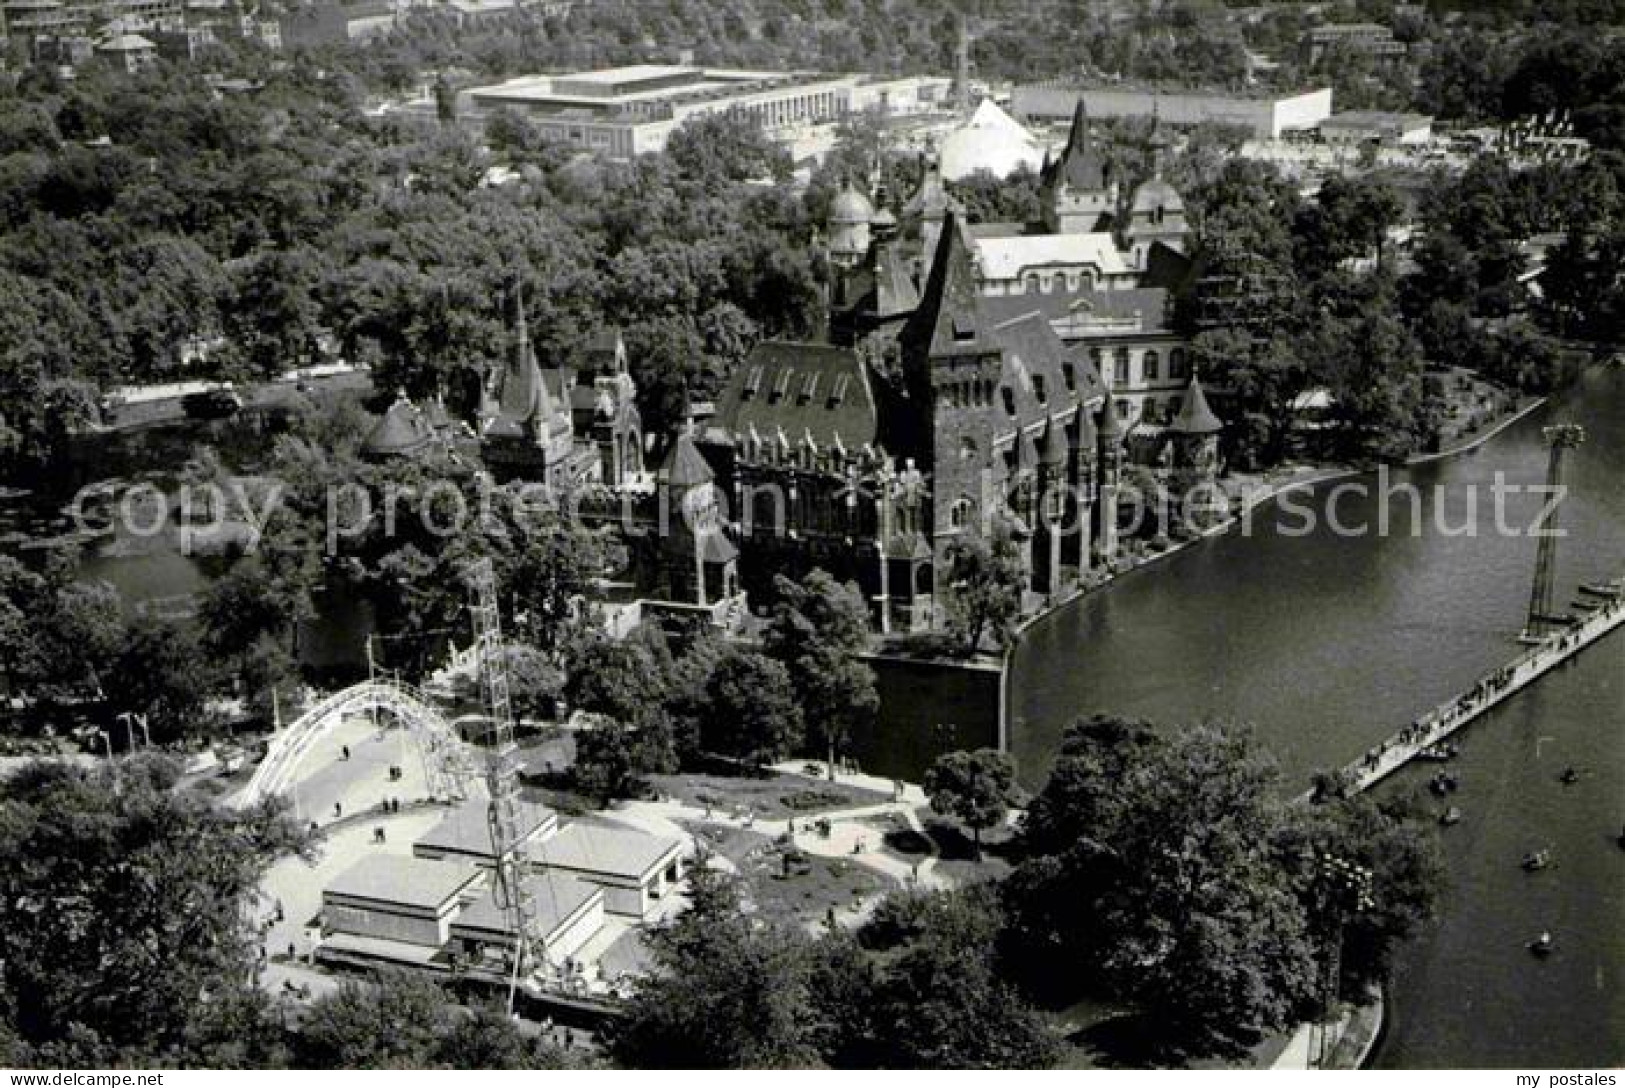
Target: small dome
point(851, 206)
point(1156, 193)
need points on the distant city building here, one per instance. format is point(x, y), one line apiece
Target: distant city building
point(1372, 39)
point(623, 112)
point(1267, 116)
point(131, 52)
point(337, 24)
point(1377, 126)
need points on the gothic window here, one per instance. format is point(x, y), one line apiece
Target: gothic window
point(1039, 389)
point(959, 514)
point(1176, 364)
point(1150, 366)
point(967, 448)
point(1009, 399)
point(1069, 374)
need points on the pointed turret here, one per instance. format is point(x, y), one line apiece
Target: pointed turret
point(1195, 416)
point(949, 318)
point(685, 466)
point(1081, 166)
point(1079, 194)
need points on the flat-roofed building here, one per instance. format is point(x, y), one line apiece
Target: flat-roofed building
point(1377, 126)
point(394, 898)
point(635, 869)
point(628, 111)
point(569, 913)
point(1265, 115)
point(465, 834)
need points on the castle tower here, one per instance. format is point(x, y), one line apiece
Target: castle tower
point(1194, 437)
point(1156, 211)
point(1052, 503)
point(524, 432)
point(1078, 193)
point(930, 206)
point(849, 217)
point(700, 561)
point(1111, 478)
point(1087, 482)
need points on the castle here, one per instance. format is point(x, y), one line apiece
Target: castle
point(976, 378)
point(975, 373)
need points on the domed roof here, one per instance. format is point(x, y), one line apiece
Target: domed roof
point(1155, 193)
point(993, 141)
point(850, 206)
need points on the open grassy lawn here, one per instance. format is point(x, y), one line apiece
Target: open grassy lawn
point(802, 893)
point(771, 795)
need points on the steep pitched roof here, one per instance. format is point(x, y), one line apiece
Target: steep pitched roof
point(950, 320)
point(523, 400)
point(684, 465)
point(1195, 417)
point(799, 390)
point(1081, 166)
point(1041, 372)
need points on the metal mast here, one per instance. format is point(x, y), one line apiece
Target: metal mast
point(1542, 620)
point(506, 814)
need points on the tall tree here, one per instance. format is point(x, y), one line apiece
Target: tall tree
point(984, 589)
point(724, 991)
point(818, 628)
point(977, 788)
point(1166, 893)
point(753, 713)
point(123, 932)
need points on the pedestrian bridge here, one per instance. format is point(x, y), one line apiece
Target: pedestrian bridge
point(446, 759)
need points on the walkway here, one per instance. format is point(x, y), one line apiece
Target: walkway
point(1491, 690)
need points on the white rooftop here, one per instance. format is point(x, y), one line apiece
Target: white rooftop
point(407, 881)
point(1005, 258)
point(594, 846)
point(991, 140)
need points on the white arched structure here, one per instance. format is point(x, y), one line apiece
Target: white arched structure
point(446, 759)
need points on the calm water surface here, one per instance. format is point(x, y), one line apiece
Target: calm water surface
point(1328, 643)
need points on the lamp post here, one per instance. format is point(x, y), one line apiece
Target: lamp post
point(1345, 889)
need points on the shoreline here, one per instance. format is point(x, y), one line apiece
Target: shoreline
point(1314, 478)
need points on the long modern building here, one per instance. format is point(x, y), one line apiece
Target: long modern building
point(1267, 117)
point(628, 111)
